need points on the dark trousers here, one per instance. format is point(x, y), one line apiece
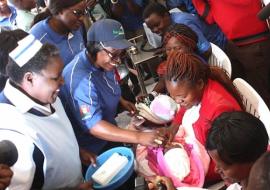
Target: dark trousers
point(252, 63)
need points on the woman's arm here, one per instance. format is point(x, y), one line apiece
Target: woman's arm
point(110, 132)
point(173, 129)
point(127, 105)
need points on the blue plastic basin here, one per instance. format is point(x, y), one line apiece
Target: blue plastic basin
point(121, 177)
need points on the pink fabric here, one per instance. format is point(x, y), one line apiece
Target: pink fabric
point(196, 175)
point(158, 166)
point(161, 109)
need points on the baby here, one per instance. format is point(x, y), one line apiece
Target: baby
point(183, 162)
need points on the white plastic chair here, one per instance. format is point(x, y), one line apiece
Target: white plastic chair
point(253, 102)
point(220, 59)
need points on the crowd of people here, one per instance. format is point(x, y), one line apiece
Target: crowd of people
point(61, 90)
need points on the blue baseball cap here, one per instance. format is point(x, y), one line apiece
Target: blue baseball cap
point(110, 32)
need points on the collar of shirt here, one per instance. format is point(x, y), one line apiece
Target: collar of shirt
point(88, 64)
point(22, 102)
point(54, 35)
point(20, 11)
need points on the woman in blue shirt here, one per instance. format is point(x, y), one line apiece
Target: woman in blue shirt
point(63, 28)
point(91, 93)
point(7, 15)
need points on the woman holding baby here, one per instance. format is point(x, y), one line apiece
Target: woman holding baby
point(203, 93)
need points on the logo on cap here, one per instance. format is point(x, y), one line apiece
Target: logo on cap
point(118, 32)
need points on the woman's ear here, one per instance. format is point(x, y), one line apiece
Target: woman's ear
point(200, 84)
point(28, 78)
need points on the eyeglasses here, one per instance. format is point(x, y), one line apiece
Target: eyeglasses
point(115, 57)
point(80, 13)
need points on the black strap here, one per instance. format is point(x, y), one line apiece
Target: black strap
point(206, 11)
point(38, 158)
point(252, 37)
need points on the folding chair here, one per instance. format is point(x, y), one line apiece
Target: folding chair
point(220, 59)
point(253, 102)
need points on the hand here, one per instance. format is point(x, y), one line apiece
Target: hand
point(90, 4)
point(152, 138)
point(163, 180)
point(129, 106)
point(5, 176)
point(170, 132)
point(87, 157)
point(141, 98)
point(85, 186)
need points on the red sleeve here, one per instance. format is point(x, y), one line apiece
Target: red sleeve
point(162, 67)
point(204, 10)
point(117, 75)
point(179, 116)
point(207, 115)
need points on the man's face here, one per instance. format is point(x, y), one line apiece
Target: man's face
point(158, 24)
point(3, 4)
point(230, 173)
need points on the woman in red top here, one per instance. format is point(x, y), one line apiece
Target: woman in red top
point(191, 82)
point(177, 37)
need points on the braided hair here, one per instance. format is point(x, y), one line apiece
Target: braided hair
point(191, 68)
point(182, 33)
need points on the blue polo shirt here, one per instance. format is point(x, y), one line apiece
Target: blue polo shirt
point(69, 45)
point(176, 3)
point(9, 22)
point(206, 33)
point(89, 95)
point(130, 21)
